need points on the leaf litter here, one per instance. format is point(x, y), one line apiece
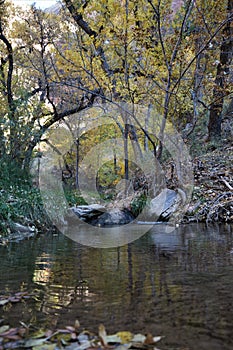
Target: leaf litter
point(13, 298)
point(73, 338)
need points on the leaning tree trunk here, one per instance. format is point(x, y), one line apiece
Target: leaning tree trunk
point(226, 50)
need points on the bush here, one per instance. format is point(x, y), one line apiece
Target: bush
point(138, 204)
point(19, 200)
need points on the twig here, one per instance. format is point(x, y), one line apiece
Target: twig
point(226, 183)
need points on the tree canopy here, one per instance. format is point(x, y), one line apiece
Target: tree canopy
point(173, 54)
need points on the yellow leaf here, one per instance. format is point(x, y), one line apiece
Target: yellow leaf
point(125, 336)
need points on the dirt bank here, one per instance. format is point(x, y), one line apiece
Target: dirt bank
point(212, 198)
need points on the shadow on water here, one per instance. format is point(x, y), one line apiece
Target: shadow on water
point(176, 284)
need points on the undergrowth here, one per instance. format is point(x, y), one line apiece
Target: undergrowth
point(19, 201)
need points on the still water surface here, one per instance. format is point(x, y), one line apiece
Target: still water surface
point(179, 285)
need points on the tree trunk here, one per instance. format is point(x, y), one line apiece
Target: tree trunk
point(226, 50)
point(126, 152)
point(77, 165)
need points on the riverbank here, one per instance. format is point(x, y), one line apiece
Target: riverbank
point(22, 214)
point(212, 199)
point(21, 207)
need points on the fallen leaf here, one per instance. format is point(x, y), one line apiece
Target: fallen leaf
point(126, 337)
point(45, 347)
point(70, 328)
point(39, 334)
point(123, 346)
point(3, 329)
point(82, 337)
point(22, 331)
point(9, 332)
point(113, 339)
point(149, 339)
point(4, 301)
point(73, 336)
point(64, 342)
point(158, 338)
point(14, 299)
point(62, 337)
point(30, 343)
point(138, 338)
point(63, 331)
point(76, 324)
point(73, 346)
point(13, 337)
point(48, 333)
point(103, 335)
point(18, 344)
point(77, 346)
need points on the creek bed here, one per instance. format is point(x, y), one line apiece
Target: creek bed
point(178, 285)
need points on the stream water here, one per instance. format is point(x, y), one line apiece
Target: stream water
point(179, 285)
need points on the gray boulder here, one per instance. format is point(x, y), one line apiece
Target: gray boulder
point(19, 232)
point(114, 217)
point(86, 212)
point(164, 205)
point(22, 229)
point(97, 215)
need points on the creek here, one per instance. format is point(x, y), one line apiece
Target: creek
point(178, 285)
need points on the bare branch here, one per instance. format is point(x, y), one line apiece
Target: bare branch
point(203, 48)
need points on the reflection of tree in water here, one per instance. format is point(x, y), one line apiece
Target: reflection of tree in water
point(141, 286)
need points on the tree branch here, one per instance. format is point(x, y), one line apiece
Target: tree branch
point(10, 68)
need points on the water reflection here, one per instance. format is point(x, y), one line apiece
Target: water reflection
point(178, 285)
point(42, 270)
